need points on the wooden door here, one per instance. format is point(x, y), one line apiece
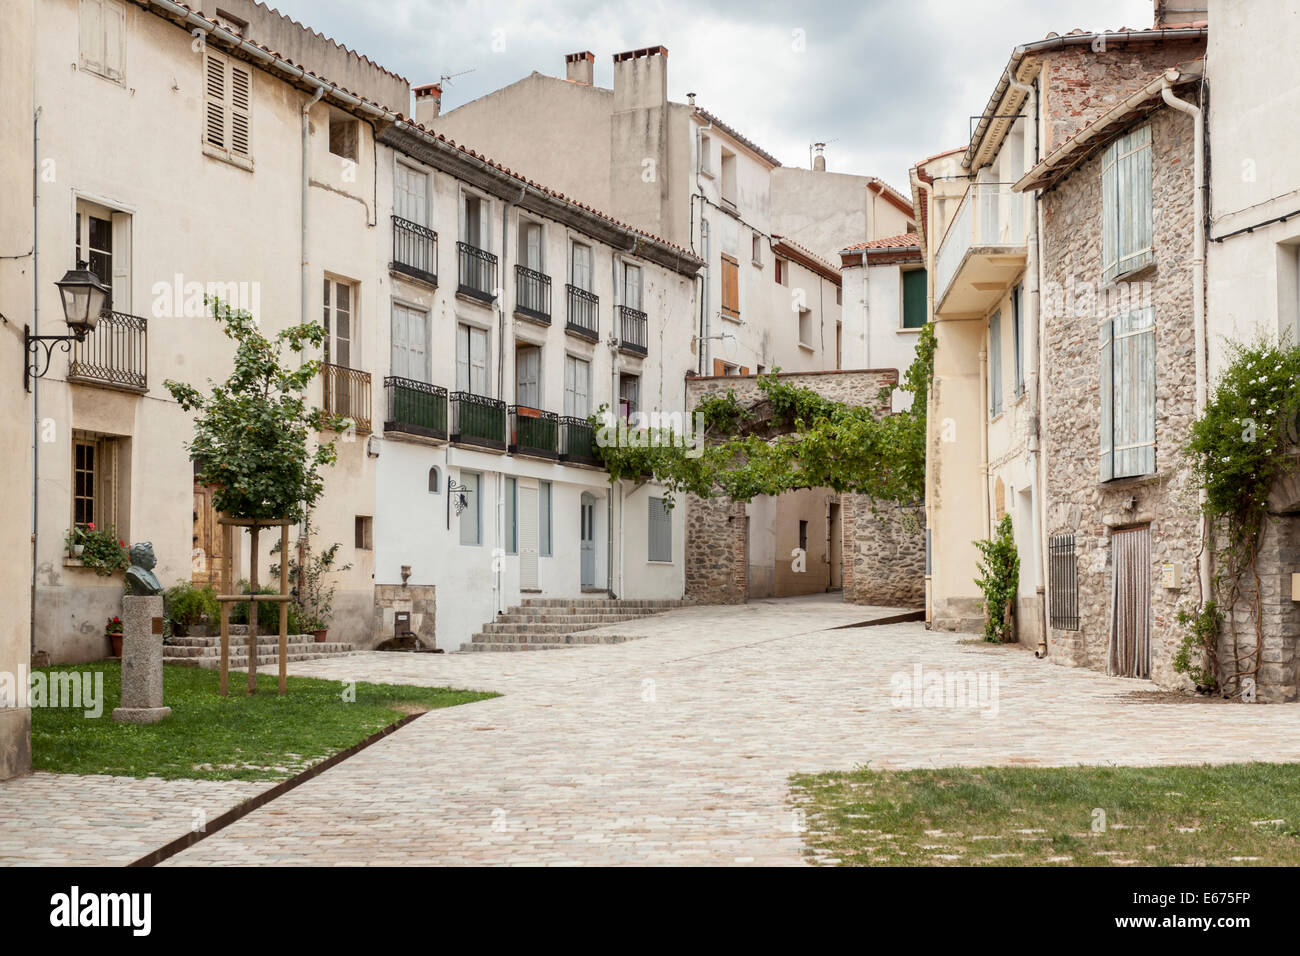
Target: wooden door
point(207, 559)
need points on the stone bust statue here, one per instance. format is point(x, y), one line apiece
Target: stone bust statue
point(140, 578)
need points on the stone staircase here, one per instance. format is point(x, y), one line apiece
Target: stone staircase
point(548, 624)
point(206, 651)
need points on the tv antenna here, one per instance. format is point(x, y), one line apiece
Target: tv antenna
point(448, 77)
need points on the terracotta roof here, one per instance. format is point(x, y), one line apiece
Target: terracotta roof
point(905, 241)
point(1094, 135)
point(731, 131)
point(806, 257)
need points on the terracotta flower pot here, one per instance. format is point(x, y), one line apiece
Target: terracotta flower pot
point(116, 641)
point(320, 635)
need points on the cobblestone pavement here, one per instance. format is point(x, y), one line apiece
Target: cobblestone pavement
point(676, 749)
point(60, 819)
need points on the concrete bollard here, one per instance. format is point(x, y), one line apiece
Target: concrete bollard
point(142, 662)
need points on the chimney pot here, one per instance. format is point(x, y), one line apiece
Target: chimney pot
point(428, 103)
point(580, 67)
point(819, 161)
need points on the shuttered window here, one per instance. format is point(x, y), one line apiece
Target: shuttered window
point(1126, 205)
point(103, 38)
point(228, 107)
point(469, 507)
point(577, 387)
point(914, 299)
point(1018, 330)
point(730, 287)
point(471, 359)
point(660, 531)
point(410, 343)
point(1128, 395)
point(995, 364)
point(544, 519)
point(512, 516)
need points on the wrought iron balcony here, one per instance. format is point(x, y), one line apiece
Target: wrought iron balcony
point(115, 354)
point(478, 272)
point(584, 313)
point(633, 330)
point(578, 441)
point(534, 432)
point(415, 408)
point(415, 250)
point(533, 294)
point(346, 393)
point(478, 420)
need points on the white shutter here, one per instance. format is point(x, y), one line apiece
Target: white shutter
point(214, 88)
point(533, 246)
point(114, 40)
point(577, 377)
point(1134, 389)
point(1126, 205)
point(92, 35)
point(527, 519)
point(632, 287)
point(401, 319)
point(241, 110)
point(417, 345)
point(582, 266)
point(511, 519)
point(478, 361)
point(462, 358)
point(528, 376)
point(121, 261)
point(544, 518)
point(1106, 390)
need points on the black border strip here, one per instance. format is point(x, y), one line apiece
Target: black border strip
point(891, 619)
point(266, 796)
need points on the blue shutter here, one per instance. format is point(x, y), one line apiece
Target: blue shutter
point(512, 520)
point(995, 364)
point(1126, 220)
point(1106, 391)
point(1134, 350)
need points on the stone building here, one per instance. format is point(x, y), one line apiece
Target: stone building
point(807, 541)
point(1120, 379)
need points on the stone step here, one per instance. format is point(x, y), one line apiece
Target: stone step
point(603, 603)
point(240, 661)
point(503, 646)
point(507, 626)
point(238, 640)
point(557, 616)
point(580, 637)
point(329, 647)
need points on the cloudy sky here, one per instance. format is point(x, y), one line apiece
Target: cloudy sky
point(883, 82)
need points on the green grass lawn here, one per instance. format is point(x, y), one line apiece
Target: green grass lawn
point(1240, 814)
point(208, 737)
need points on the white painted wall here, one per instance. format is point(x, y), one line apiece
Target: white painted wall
point(874, 336)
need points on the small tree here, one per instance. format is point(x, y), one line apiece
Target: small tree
point(253, 434)
point(313, 596)
point(999, 577)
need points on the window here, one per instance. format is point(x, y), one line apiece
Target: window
point(103, 240)
point(343, 136)
point(659, 531)
point(339, 325)
point(95, 482)
point(530, 245)
point(410, 357)
point(580, 266)
point(577, 387)
point(1128, 395)
point(632, 286)
point(1126, 205)
point(629, 392)
point(231, 22)
point(528, 375)
point(726, 368)
point(435, 481)
point(411, 195)
point(995, 364)
point(544, 519)
point(471, 359)
point(839, 295)
point(803, 536)
point(474, 221)
point(103, 38)
point(730, 287)
point(914, 304)
point(469, 507)
point(757, 242)
point(1018, 332)
point(228, 108)
point(1062, 569)
point(512, 516)
point(805, 328)
point(729, 187)
point(706, 154)
point(364, 530)
point(779, 271)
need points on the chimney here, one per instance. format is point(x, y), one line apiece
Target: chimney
point(1177, 12)
point(819, 161)
point(641, 79)
point(580, 68)
point(428, 103)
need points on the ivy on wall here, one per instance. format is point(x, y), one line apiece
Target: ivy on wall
point(789, 438)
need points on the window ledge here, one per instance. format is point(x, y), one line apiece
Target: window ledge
point(664, 564)
point(807, 348)
point(904, 330)
point(732, 318)
point(221, 155)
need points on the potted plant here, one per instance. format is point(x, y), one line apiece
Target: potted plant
point(313, 595)
point(99, 549)
point(190, 609)
point(113, 631)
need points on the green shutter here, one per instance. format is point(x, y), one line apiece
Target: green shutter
point(914, 299)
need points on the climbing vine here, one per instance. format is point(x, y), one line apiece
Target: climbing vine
point(1238, 449)
point(789, 438)
point(999, 576)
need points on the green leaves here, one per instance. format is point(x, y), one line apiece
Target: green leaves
point(999, 578)
point(255, 437)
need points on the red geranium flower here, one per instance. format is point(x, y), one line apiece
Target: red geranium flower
point(90, 526)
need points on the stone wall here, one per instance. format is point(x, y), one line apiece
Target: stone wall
point(417, 599)
point(1077, 500)
point(883, 561)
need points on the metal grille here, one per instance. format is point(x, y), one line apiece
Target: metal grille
point(116, 353)
point(478, 272)
point(632, 330)
point(415, 407)
point(347, 394)
point(533, 293)
point(583, 312)
point(415, 250)
point(1063, 568)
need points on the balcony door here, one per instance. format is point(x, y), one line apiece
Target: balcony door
point(530, 245)
point(580, 270)
point(411, 194)
point(632, 286)
point(577, 387)
point(528, 376)
point(471, 360)
point(474, 222)
point(410, 358)
point(587, 539)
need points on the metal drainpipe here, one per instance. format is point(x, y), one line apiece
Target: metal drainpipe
point(613, 404)
point(928, 189)
point(1198, 283)
point(36, 382)
point(984, 436)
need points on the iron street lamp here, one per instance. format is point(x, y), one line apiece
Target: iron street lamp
point(83, 296)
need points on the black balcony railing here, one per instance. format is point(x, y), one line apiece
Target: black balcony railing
point(578, 441)
point(534, 432)
point(415, 250)
point(533, 294)
point(116, 354)
point(478, 420)
point(416, 408)
point(584, 313)
point(632, 330)
point(347, 394)
point(478, 272)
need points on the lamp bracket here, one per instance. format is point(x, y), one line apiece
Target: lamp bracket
point(34, 344)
